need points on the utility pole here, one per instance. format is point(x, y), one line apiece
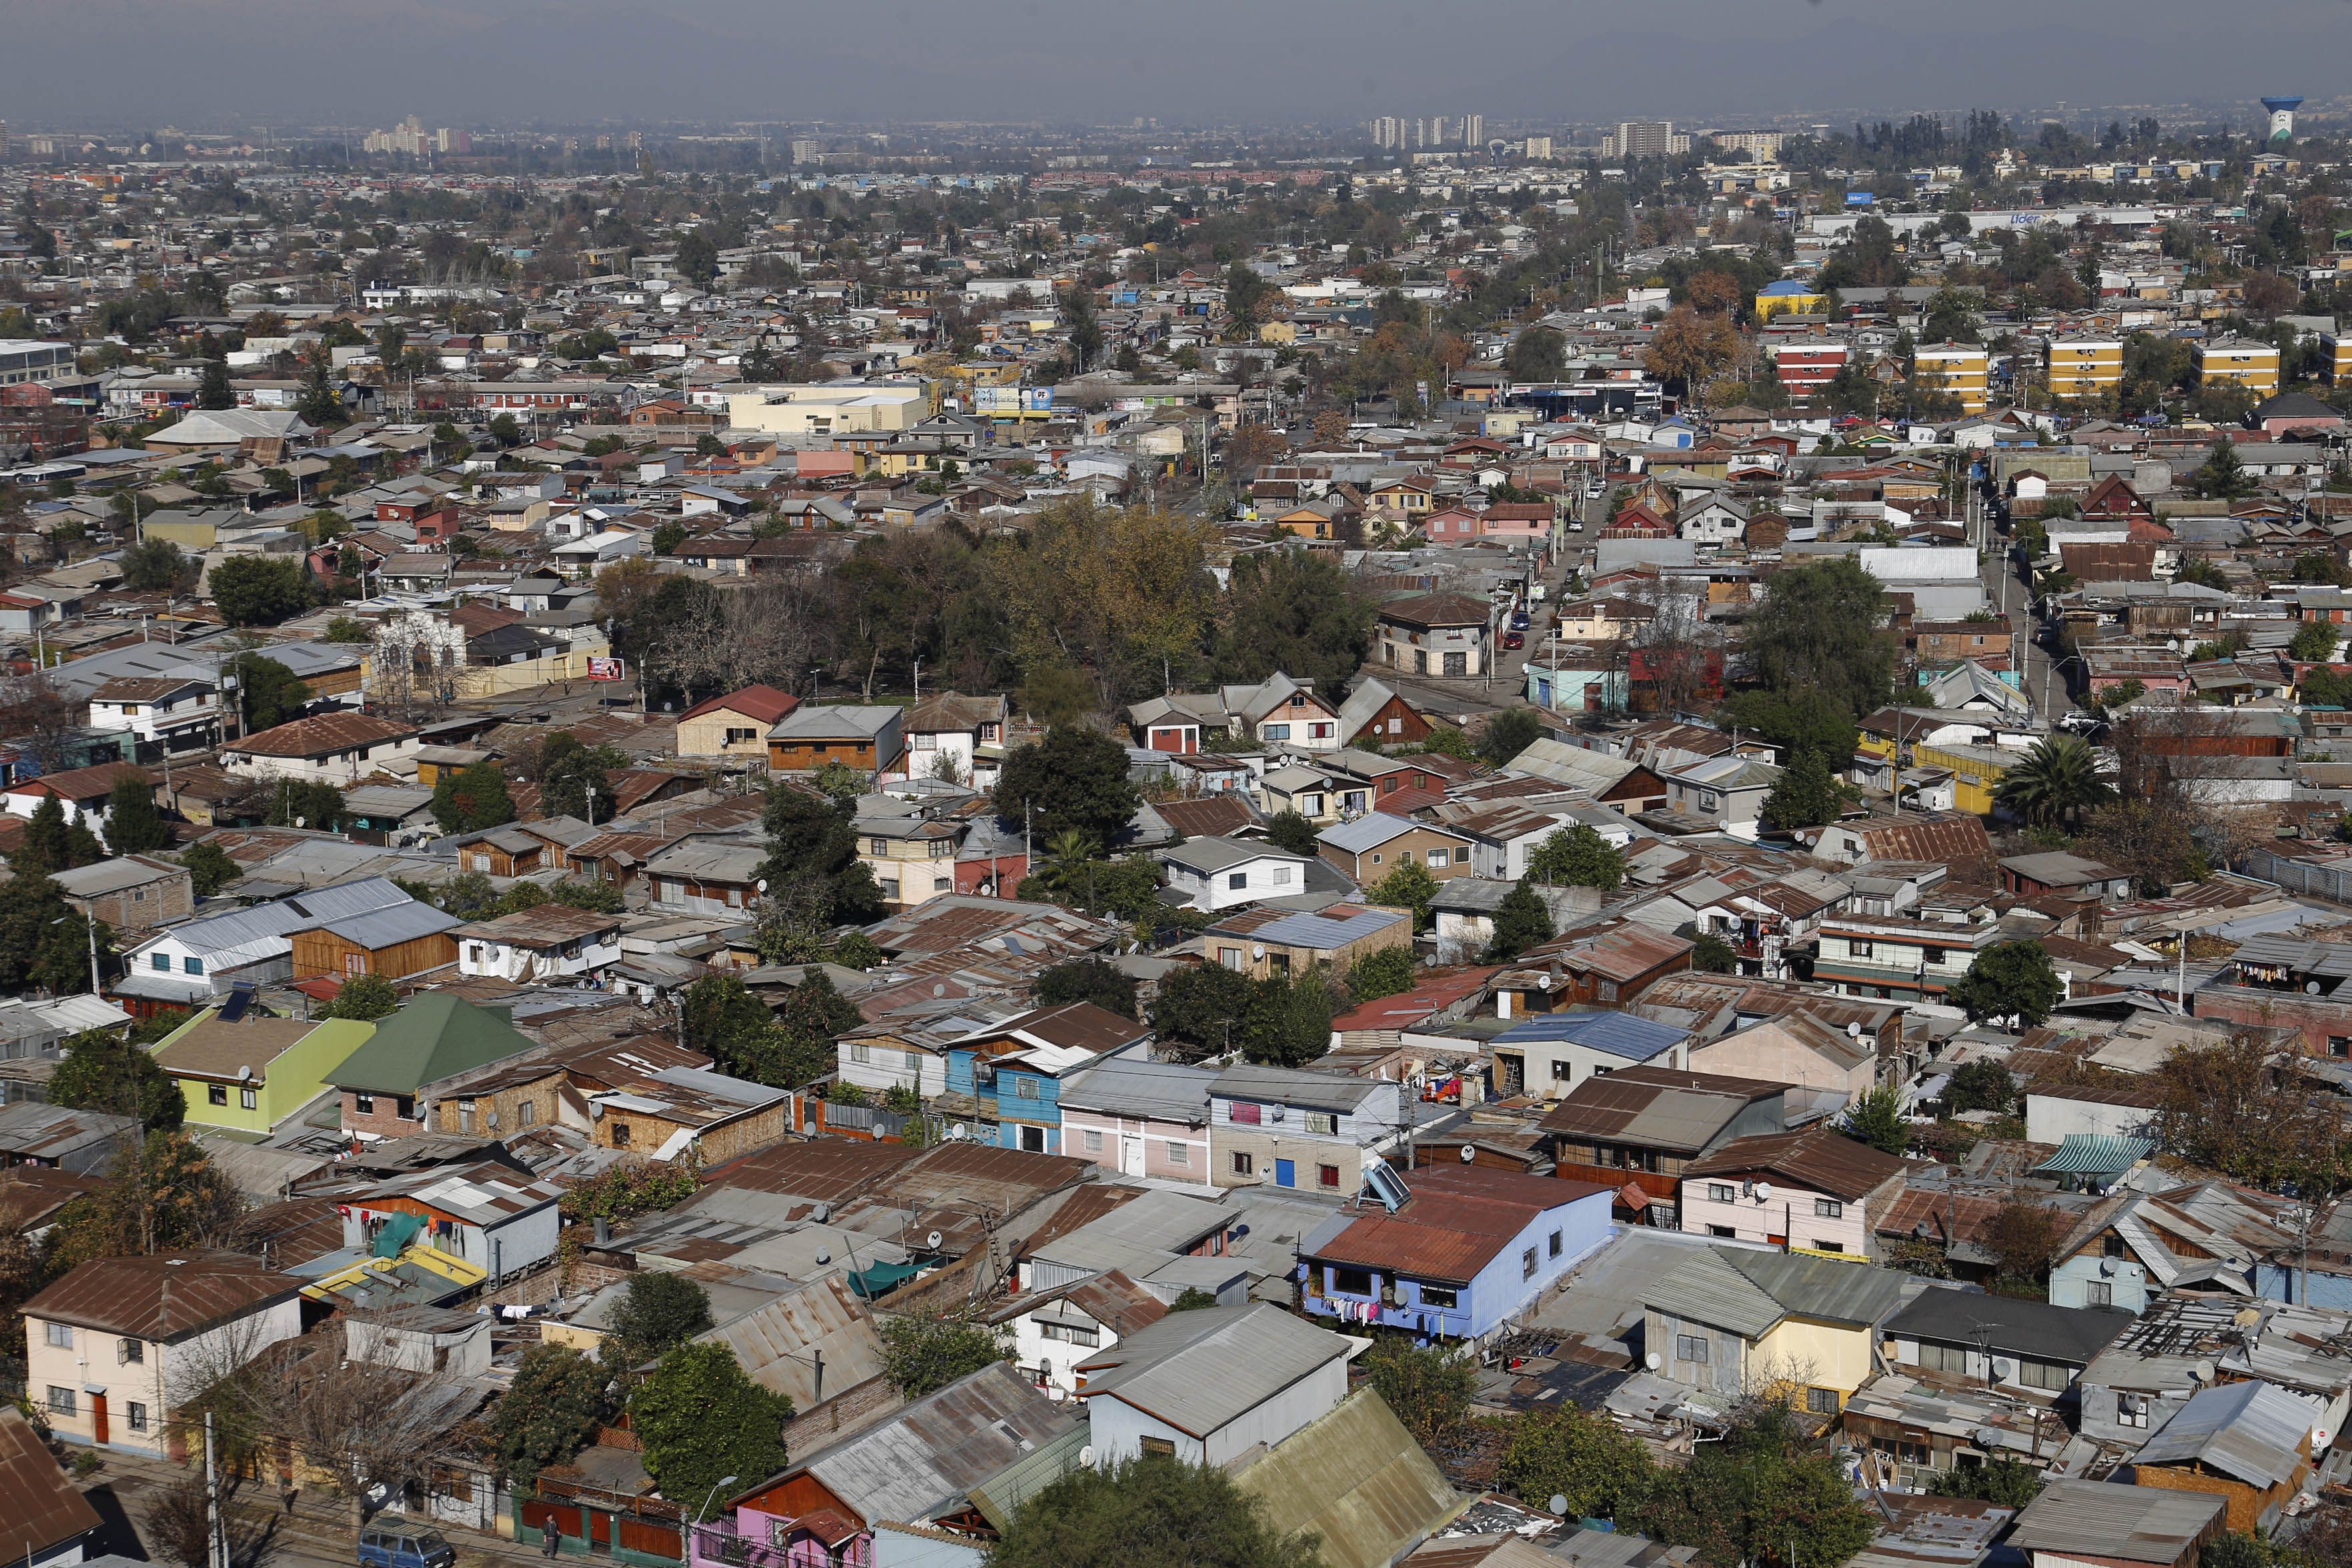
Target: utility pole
point(216, 1556)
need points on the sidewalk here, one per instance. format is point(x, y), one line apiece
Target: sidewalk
point(320, 1528)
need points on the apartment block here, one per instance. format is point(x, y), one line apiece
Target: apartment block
point(2249, 364)
point(1958, 369)
point(2085, 368)
point(1806, 365)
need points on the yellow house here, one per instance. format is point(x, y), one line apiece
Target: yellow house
point(2254, 366)
point(1279, 333)
point(1728, 1320)
point(255, 1073)
point(1976, 770)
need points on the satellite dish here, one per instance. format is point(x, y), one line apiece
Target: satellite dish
point(824, 1212)
point(1469, 1153)
point(1853, 1031)
point(2202, 1372)
point(1559, 1504)
point(931, 1241)
point(825, 1254)
point(1763, 1191)
point(2311, 988)
point(762, 884)
point(1237, 1232)
point(596, 1109)
point(1652, 1361)
point(2321, 1436)
point(2001, 1369)
point(1086, 1454)
point(245, 1073)
point(1987, 1438)
point(1257, 950)
point(961, 1131)
point(493, 1118)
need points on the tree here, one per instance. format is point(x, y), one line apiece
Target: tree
point(2023, 1236)
point(133, 825)
point(2011, 1483)
point(210, 868)
point(1389, 972)
point(797, 1047)
point(700, 1420)
point(658, 1312)
point(923, 1355)
point(1093, 980)
point(102, 1070)
point(1287, 1022)
point(1577, 857)
point(597, 897)
point(1573, 1454)
point(1688, 346)
point(1197, 1006)
point(720, 1014)
point(1818, 631)
point(1979, 1086)
point(546, 1415)
point(1765, 1490)
point(1073, 778)
point(1429, 1390)
point(44, 940)
point(365, 997)
point(1804, 795)
point(573, 778)
point(164, 1196)
point(1712, 955)
point(310, 803)
point(1409, 886)
point(259, 590)
point(472, 798)
point(2239, 1107)
point(2222, 477)
point(1876, 1118)
point(1288, 830)
point(1537, 355)
point(1151, 1513)
point(1295, 613)
point(2052, 782)
point(1508, 733)
point(45, 845)
point(2153, 837)
point(815, 881)
point(213, 390)
point(1521, 922)
point(268, 694)
point(2009, 980)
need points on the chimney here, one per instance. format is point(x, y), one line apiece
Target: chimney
point(604, 1231)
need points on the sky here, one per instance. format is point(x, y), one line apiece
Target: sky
point(229, 64)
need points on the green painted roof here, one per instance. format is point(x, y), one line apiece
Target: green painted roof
point(434, 1035)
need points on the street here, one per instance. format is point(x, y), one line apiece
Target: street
point(2042, 684)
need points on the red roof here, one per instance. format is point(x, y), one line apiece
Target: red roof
point(765, 703)
point(1459, 1218)
point(1433, 994)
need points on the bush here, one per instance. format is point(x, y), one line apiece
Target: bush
point(921, 1355)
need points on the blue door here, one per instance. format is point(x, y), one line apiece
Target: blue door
point(1286, 1173)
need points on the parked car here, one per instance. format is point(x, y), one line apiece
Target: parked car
point(405, 1546)
point(1515, 639)
point(1520, 621)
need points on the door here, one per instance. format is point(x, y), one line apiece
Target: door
point(1131, 1157)
point(1286, 1173)
point(98, 1428)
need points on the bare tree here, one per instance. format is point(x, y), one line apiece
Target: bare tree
point(360, 1422)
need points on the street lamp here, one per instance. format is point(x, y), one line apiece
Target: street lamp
point(90, 925)
point(721, 1481)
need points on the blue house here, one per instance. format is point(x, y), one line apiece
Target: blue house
point(1004, 1082)
point(2131, 1247)
point(1449, 1252)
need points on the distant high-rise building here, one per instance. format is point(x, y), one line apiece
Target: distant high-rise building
point(1473, 129)
point(1388, 132)
point(2282, 117)
point(1764, 146)
point(1643, 138)
point(1539, 147)
point(805, 149)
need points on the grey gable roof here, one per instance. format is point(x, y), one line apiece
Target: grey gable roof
point(1200, 1371)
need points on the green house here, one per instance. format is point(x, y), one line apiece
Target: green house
point(433, 1035)
point(253, 1074)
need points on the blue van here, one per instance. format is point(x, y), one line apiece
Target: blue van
point(405, 1546)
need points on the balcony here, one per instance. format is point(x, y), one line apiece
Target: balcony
point(722, 1544)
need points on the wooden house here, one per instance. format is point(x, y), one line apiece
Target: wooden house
point(403, 940)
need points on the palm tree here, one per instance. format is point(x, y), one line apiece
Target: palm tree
point(1069, 848)
point(2055, 780)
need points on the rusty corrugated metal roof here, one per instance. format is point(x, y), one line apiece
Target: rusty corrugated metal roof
point(39, 1508)
point(166, 1298)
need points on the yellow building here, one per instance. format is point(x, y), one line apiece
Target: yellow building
point(255, 1072)
point(2082, 368)
point(1730, 1321)
point(2339, 355)
point(1955, 369)
point(831, 409)
point(2251, 365)
point(1976, 770)
point(1789, 298)
point(1279, 333)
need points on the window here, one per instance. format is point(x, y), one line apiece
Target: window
point(1437, 857)
point(406, 1108)
point(1462, 854)
point(1323, 1123)
point(1943, 1357)
point(193, 965)
point(620, 1135)
point(1821, 1246)
point(1822, 1401)
point(2051, 1375)
point(134, 1414)
point(2131, 1409)
point(1179, 1154)
point(1282, 876)
point(1274, 732)
point(1071, 1333)
point(1329, 1176)
point(1933, 957)
point(1159, 1446)
point(58, 1334)
point(1025, 1089)
point(61, 1400)
point(130, 1352)
point(2112, 1246)
point(217, 1093)
point(1563, 1071)
point(250, 1098)
point(1554, 1246)
point(1691, 1347)
point(1856, 948)
point(1243, 1164)
point(2339, 1045)
point(161, 961)
point(527, 1114)
point(1376, 857)
point(1245, 1112)
point(1723, 1230)
point(1238, 878)
point(1093, 1141)
point(1828, 1209)
point(1352, 1282)
point(1528, 1264)
point(1719, 1192)
point(2100, 1294)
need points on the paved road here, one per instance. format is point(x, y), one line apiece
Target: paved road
point(2043, 684)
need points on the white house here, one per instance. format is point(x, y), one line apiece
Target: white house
point(1208, 1386)
point(177, 712)
point(333, 748)
point(1052, 1331)
point(1215, 873)
point(545, 942)
point(491, 1216)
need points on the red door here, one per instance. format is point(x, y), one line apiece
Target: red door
point(98, 1428)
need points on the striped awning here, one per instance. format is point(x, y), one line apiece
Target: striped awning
point(2096, 1153)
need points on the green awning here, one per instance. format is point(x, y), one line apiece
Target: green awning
point(881, 1278)
point(398, 1231)
point(2096, 1153)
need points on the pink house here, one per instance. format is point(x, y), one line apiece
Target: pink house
point(1527, 522)
point(1815, 1190)
point(1455, 525)
point(1145, 1118)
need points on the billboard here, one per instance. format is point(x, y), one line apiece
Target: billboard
point(1859, 199)
point(608, 669)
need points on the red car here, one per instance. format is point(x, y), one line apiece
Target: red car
point(1515, 639)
